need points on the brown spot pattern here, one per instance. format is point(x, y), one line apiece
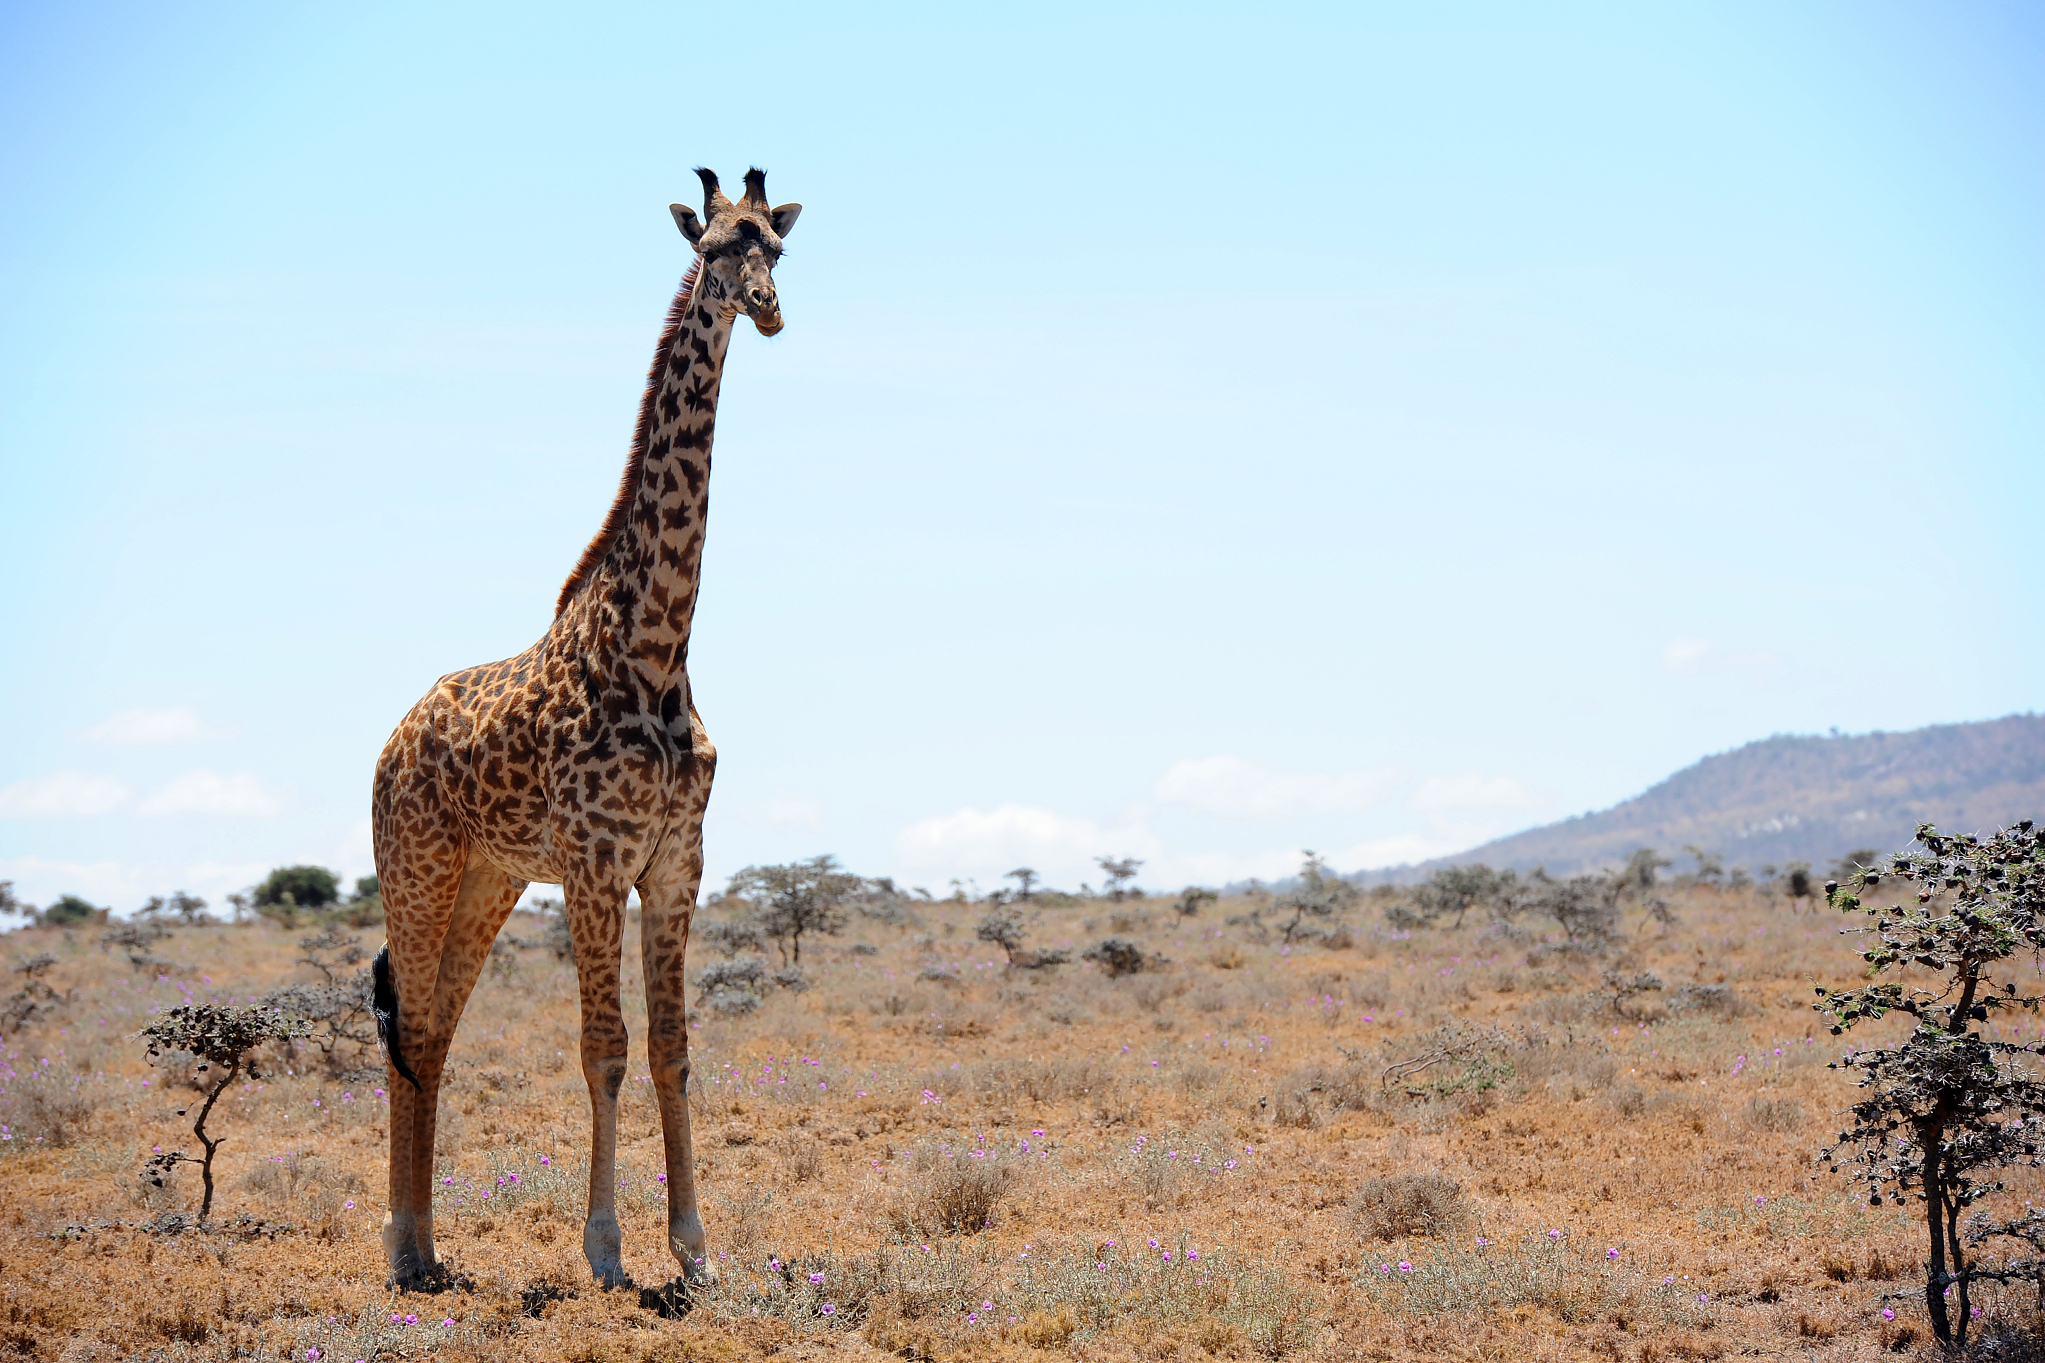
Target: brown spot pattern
point(581, 762)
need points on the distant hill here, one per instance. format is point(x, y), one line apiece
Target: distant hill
point(1793, 798)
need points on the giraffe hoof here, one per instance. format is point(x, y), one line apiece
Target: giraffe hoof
point(603, 1246)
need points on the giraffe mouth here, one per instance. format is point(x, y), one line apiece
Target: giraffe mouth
point(767, 324)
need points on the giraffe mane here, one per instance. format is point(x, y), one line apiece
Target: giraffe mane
point(642, 436)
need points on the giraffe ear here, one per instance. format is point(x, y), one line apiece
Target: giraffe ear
point(784, 218)
point(686, 219)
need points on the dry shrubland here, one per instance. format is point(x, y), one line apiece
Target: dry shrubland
point(1357, 1140)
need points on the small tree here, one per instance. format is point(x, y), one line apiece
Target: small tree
point(1586, 908)
point(1796, 883)
point(1318, 895)
point(1456, 890)
point(11, 905)
point(1192, 899)
point(289, 889)
point(1119, 872)
point(216, 1035)
point(1936, 1111)
point(70, 909)
point(1710, 866)
point(800, 897)
point(1024, 879)
point(1004, 928)
point(1642, 872)
point(187, 909)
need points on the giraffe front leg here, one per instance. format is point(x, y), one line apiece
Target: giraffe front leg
point(667, 895)
point(668, 900)
point(596, 926)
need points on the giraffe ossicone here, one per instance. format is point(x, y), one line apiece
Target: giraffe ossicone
point(581, 762)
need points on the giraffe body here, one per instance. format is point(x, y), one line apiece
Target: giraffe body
point(579, 762)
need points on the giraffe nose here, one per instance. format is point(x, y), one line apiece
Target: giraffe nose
point(761, 296)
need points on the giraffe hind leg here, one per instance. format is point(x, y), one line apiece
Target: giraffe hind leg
point(482, 902)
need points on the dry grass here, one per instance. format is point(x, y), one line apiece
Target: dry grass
point(1408, 1204)
point(1262, 1115)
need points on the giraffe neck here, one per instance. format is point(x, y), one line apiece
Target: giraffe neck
point(641, 574)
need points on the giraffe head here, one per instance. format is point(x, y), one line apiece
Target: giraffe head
point(739, 243)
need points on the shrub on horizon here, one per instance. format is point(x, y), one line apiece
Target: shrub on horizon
point(70, 909)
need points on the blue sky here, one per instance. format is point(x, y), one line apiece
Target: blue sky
point(1199, 433)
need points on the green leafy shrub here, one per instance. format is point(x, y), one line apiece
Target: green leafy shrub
point(794, 900)
point(70, 909)
point(289, 891)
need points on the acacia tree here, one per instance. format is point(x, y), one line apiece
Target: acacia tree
point(216, 1035)
point(1458, 889)
point(1318, 895)
point(1118, 872)
point(1025, 880)
point(1946, 1107)
point(800, 897)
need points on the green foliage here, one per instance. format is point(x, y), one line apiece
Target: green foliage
point(290, 890)
point(71, 909)
point(799, 898)
point(1192, 899)
point(308, 887)
point(1935, 1115)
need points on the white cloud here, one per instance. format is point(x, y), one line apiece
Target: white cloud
point(1234, 788)
point(208, 792)
point(1685, 657)
point(1695, 657)
point(148, 728)
point(794, 811)
point(1399, 849)
point(62, 795)
point(989, 843)
point(222, 877)
point(39, 881)
point(1471, 792)
point(1222, 868)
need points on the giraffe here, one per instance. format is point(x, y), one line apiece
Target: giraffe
point(581, 762)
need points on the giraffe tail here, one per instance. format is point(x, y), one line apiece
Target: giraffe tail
point(385, 1004)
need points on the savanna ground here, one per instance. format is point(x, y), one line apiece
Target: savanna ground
point(926, 1154)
